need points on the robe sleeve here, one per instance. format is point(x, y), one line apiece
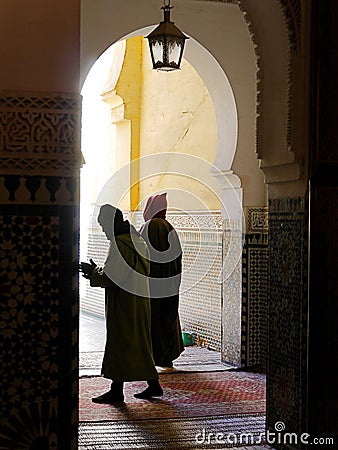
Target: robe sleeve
point(99, 278)
point(114, 271)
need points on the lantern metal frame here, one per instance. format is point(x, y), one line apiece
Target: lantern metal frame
point(166, 43)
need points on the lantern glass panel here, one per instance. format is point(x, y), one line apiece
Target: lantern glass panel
point(174, 52)
point(158, 51)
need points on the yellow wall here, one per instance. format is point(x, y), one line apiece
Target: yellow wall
point(168, 113)
point(178, 117)
point(129, 87)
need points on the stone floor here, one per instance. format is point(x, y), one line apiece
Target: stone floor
point(92, 341)
point(92, 333)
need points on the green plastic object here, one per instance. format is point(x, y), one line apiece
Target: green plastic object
point(187, 338)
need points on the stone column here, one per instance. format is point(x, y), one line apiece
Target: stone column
point(254, 289)
point(287, 314)
point(232, 245)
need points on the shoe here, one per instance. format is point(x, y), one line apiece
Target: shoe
point(166, 364)
point(109, 398)
point(150, 392)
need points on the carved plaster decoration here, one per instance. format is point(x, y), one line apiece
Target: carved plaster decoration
point(193, 220)
point(292, 14)
point(257, 220)
point(39, 135)
point(38, 190)
point(39, 148)
point(259, 73)
point(292, 10)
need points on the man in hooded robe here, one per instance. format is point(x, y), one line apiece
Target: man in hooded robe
point(124, 276)
point(165, 278)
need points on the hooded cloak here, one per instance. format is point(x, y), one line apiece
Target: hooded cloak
point(124, 276)
point(165, 278)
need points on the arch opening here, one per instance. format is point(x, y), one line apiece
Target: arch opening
point(219, 198)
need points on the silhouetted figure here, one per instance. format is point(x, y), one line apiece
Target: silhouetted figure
point(124, 276)
point(165, 278)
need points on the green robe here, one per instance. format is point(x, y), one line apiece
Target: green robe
point(128, 350)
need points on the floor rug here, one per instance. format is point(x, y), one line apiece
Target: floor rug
point(186, 395)
point(199, 433)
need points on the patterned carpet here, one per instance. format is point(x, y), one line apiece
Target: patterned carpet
point(186, 395)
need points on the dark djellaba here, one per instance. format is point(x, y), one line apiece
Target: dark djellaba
point(124, 276)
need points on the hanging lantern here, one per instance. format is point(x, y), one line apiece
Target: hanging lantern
point(166, 43)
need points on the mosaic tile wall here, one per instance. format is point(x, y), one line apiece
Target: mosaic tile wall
point(37, 306)
point(254, 287)
point(232, 245)
point(201, 288)
point(39, 198)
point(287, 313)
point(30, 386)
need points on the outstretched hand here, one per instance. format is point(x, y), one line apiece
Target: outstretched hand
point(87, 268)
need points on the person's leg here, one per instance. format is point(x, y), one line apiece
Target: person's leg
point(115, 395)
point(153, 390)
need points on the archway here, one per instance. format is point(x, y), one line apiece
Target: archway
point(187, 163)
point(229, 191)
point(232, 41)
